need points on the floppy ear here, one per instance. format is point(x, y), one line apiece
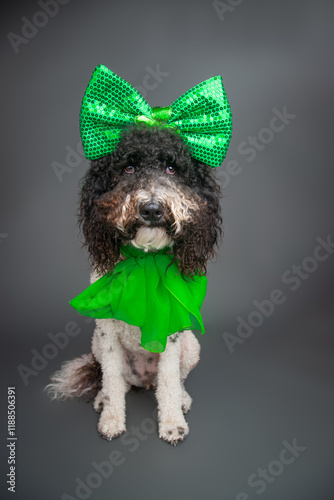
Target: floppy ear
point(197, 241)
point(102, 241)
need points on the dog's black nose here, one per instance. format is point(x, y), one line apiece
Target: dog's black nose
point(151, 211)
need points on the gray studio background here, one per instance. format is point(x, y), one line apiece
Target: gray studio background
point(277, 385)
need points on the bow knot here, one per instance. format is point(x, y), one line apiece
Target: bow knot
point(159, 116)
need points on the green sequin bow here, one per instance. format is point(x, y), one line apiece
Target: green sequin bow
point(143, 291)
point(201, 116)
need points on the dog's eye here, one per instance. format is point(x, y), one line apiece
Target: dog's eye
point(170, 170)
point(129, 169)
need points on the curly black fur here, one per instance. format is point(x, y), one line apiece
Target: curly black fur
point(104, 187)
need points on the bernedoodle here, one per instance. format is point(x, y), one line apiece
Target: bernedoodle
point(151, 219)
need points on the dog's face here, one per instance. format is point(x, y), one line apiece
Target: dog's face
point(152, 194)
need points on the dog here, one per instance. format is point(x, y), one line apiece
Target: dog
point(151, 194)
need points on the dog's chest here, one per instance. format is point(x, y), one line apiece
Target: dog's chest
point(140, 365)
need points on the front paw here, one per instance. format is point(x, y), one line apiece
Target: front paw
point(173, 431)
point(110, 426)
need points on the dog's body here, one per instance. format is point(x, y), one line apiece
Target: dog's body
point(151, 194)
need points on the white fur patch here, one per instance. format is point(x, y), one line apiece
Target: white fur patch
point(151, 238)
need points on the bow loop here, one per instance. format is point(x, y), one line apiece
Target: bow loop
point(201, 116)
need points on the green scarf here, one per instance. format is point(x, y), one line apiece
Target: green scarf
point(141, 291)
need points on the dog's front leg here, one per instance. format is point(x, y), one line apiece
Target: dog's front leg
point(172, 425)
point(108, 351)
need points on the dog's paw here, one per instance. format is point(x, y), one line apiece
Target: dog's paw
point(109, 426)
point(186, 401)
point(173, 432)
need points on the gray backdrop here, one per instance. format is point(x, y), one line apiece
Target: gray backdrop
point(262, 418)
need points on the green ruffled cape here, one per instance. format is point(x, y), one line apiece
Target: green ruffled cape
point(143, 291)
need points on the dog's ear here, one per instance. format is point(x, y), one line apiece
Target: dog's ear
point(197, 241)
point(101, 240)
